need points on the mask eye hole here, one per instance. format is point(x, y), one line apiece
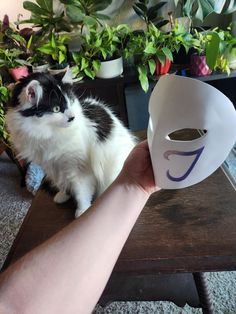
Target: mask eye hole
point(186, 135)
point(56, 109)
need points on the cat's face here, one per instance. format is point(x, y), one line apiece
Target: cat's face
point(44, 103)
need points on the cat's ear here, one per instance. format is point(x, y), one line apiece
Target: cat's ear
point(34, 92)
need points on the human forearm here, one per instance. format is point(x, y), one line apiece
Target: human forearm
point(68, 273)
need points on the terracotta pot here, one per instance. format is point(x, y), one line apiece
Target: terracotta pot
point(198, 65)
point(18, 73)
point(111, 68)
point(163, 68)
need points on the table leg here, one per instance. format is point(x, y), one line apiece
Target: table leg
point(203, 292)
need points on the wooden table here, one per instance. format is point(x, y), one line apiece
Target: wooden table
point(179, 235)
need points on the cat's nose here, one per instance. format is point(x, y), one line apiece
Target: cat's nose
point(70, 119)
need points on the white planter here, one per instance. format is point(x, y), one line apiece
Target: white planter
point(231, 56)
point(58, 71)
point(110, 69)
point(40, 68)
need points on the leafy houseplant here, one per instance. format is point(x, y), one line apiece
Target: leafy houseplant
point(211, 47)
point(11, 59)
point(229, 47)
point(82, 12)
point(56, 49)
point(43, 16)
point(38, 61)
point(200, 9)
point(154, 48)
point(97, 47)
point(222, 46)
point(150, 13)
point(4, 97)
point(198, 64)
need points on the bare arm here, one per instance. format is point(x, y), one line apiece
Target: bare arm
point(68, 273)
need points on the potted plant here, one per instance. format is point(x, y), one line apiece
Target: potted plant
point(155, 49)
point(57, 50)
point(4, 97)
point(38, 60)
point(226, 48)
point(209, 46)
point(12, 60)
point(46, 18)
point(113, 40)
point(101, 52)
point(202, 8)
point(81, 13)
point(198, 65)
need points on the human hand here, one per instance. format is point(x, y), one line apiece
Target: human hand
point(137, 168)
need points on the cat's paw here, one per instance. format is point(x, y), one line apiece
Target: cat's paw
point(61, 197)
point(79, 212)
point(82, 206)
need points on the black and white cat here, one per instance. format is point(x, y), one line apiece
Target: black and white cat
point(81, 146)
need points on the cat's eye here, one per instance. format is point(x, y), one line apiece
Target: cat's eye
point(56, 109)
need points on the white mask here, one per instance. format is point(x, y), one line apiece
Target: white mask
point(183, 103)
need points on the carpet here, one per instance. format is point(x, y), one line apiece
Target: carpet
point(14, 203)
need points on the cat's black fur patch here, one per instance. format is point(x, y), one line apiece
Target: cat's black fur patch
point(99, 116)
point(52, 95)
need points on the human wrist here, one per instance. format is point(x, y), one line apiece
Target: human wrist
point(132, 185)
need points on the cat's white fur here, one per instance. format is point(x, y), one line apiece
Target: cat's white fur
point(69, 153)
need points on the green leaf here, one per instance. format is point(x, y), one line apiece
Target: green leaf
point(101, 16)
point(98, 42)
point(161, 57)
point(142, 70)
point(101, 5)
point(176, 2)
point(62, 57)
point(152, 66)
point(150, 49)
point(75, 70)
point(205, 7)
point(90, 20)
point(89, 73)
point(29, 42)
point(68, 2)
point(46, 49)
point(161, 23)
point(84, 64)
point(212, 50)
point(138, 12)
point(156, 8)
point(34, 8)
point(218, 5)
point(45, 4)
point(74, 14)
point(229, 7)
point(75, 57)
point(19, 39)
point(96, 65)
point(53, 41)
point(104, 53)
point(142, 7)
point(187, 8)
point(167, 53)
